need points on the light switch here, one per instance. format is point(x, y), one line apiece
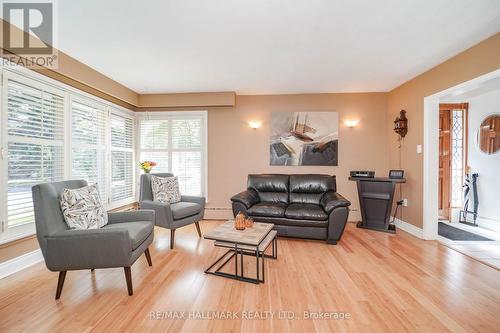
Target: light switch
point(419, 149)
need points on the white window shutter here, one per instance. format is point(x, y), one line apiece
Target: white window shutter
point(35, 145)
point(187, 155)
point(153, 143)
point(88, 144)
point(122, 158)
point(176, 143)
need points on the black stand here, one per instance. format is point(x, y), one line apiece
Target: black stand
point(462, 216)
point(464, 213)
point(239, 275)
point(375, 200)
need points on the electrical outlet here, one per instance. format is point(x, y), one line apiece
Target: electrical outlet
point(405, 202)
point(419, 149)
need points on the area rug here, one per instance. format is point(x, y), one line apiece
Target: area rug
point(446, 230)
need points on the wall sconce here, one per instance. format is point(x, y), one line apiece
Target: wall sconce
point(351, 123)
point(255, 124)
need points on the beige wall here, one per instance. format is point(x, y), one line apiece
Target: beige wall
point(478, 60)
point(235, 150)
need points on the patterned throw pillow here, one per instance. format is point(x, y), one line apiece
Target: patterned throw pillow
point(82, 208)
point(165, 189)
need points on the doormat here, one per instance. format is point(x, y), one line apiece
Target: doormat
point(446, 230)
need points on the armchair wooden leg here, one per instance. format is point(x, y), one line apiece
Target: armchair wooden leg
point(128, 277)
point(148, 257)
point(198, 228)
point(172, 238)
point(60, 284)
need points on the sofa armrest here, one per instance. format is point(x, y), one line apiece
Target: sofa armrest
point(85, 249)
point(163, 213)
point(131, 216)
point(332, 200)
point(248, 198)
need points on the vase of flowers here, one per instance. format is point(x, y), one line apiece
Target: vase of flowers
point(147, 166)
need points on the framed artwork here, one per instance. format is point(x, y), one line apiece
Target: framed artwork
point(304, 138)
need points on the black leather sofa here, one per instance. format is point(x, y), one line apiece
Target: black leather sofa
point(304, 206)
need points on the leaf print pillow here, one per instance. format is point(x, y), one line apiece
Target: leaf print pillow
point(82, 208)
point(165, 189)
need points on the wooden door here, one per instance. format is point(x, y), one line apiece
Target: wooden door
point(444, 163)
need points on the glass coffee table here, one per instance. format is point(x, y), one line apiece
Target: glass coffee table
point(253, 241)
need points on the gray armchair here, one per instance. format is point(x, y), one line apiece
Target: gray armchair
point(118, 244)
point(171, 216)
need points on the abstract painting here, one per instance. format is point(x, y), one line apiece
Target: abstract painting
point(304, 138)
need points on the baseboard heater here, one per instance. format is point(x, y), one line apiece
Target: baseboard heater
point(218, 213)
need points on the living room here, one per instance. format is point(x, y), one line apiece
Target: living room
point(242, 166)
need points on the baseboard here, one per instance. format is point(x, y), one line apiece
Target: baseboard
point(482, 221)
point(12, 266)
point(490, 224)
point(409, 228)
point(218, 213)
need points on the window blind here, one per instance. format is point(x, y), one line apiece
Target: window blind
point(35, 139)
point(88, 144)
point(187, 154)
point(122, 158)
point(176, 144)
point(153, 143)
point(154, 134)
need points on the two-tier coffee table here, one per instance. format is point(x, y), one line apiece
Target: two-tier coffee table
point(252, 241)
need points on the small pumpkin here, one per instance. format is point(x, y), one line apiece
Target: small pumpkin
point(239, 221)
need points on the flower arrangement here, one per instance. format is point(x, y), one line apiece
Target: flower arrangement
point(147, 166)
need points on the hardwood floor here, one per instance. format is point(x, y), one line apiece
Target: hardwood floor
point(384, 282)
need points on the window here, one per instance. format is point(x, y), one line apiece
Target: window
point(88, 143)
point(34, 144)
point(457, 157)
point(122, 158)
point(51, 132)
point(176, 142)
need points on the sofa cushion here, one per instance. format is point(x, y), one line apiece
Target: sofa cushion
point(310, 188)
point(183, 209)
point(137, 231)
point(269, 187)
point(275, 209)
point(301, 211)
point(284, 221)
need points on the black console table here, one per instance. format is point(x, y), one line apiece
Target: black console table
point(376, 195)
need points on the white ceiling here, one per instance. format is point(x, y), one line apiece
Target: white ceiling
point(270, 46)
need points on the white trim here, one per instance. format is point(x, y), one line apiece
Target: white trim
point(487, 223)
point(431, 165)
point(3, 157)
point(409, 228)
point(19, 263)
point(431, 152)
point(17, 232)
